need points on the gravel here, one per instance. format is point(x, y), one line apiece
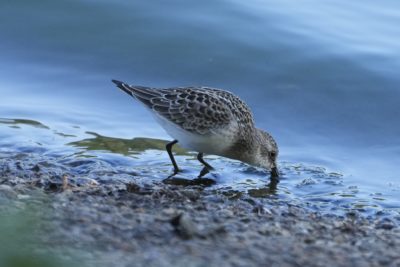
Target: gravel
point(68, 221)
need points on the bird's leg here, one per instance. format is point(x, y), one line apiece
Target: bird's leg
point(207, 167)
point(274, 173)
point(171, 156)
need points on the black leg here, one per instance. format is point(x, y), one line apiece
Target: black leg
point(171, 156)
point(274, 173)
point(207, 167)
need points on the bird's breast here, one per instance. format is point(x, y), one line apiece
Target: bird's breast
point(217, 141)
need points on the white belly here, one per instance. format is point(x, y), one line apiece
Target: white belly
point(215, 143)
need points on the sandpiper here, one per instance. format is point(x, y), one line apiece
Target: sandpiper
point(208, 120)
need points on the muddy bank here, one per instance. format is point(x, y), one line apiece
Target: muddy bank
point(70, 219)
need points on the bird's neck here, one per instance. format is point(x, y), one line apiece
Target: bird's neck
point(244, 146)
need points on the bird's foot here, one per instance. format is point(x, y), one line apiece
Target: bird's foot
point(204, 171)
point(176, 171)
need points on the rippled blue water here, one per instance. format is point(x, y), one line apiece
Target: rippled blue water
point(321, 76)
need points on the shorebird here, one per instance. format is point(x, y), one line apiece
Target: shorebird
point(208, 120)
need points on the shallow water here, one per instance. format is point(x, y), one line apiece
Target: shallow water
point(322, 77)
point(143, 161)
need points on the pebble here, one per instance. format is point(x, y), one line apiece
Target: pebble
point(184, 226)
point(155, 224)
point(7, 191)
point(23, 197)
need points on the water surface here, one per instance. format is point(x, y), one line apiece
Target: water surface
point(322, 77)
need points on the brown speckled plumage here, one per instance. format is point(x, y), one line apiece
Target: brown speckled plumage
point(195, 109)
point(215, 121)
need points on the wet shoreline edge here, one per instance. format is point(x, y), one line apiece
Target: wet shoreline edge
point(158, 224)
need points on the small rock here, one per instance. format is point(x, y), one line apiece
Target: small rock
point(64, 182)
point(226, 213)
point(23, 197)
point(261, 192)
point(184, 226)
point(385, 224)
point(352, 214)
point(215, 231)
point(265, 229)
point(140, 190)
point(18, 165)
point(193, 195)
point(307, 182)
point(258, 209)
point(309, 240)
point(169, 212)
point(36, 168)
point(53, 187)
point(16, 180)
point(132, 188)
point(81, 181)
point(7, 191)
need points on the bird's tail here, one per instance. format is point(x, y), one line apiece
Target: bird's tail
point(123, 86)
point(141, 93)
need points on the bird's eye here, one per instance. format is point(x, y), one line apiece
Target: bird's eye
point(272, 155)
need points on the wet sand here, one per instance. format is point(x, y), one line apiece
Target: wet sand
point(70, 221)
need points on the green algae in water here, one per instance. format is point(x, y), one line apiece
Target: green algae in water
point(124, 146)
point(16, 122)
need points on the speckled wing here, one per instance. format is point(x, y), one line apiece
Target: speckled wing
point(196, 109)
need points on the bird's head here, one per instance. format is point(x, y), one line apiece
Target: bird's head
point(266, 152)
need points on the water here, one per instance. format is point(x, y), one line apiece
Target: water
point(322, 77)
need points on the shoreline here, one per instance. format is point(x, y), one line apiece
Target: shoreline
point(156, 224)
